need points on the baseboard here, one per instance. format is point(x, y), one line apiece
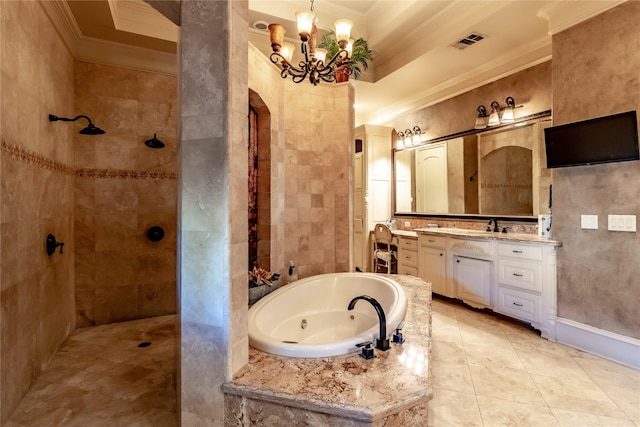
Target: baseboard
point(609, 345)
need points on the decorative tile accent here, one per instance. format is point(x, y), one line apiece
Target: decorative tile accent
point(30, 157)
point(124, 174)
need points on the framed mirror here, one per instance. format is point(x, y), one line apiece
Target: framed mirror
point(494, 172)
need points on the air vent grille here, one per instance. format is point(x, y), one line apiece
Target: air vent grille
point(467, 41)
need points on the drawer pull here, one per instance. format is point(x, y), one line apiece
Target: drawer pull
point(516, 252)
point(431, 241)
point(517, 304)
point(441, 254)
point(517, 274)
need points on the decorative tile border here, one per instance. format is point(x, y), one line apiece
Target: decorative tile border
point(507, 186)
point(39, 160)
point(30, 157)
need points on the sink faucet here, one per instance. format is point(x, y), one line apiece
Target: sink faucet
point(382, 343)
point(495, 225)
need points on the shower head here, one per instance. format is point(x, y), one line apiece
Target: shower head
point(154, 142)
point(89, 130)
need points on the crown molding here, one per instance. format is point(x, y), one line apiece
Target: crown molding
point(563, 15)
point(105, 52)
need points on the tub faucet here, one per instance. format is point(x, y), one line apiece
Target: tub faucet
point(382, 343)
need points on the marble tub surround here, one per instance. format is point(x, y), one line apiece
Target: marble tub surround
point(391, 389)
point(483, 234)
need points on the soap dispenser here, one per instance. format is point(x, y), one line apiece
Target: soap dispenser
point(292, 274)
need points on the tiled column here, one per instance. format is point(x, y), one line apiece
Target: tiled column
point(212, 220)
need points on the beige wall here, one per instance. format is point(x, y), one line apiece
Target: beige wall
point(595, 73)
point(530, 87)
point(122, 188)
point(36, 187)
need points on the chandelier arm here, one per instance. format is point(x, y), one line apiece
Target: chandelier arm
point(341, 56)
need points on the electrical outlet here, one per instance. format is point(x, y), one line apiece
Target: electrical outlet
point(407, 224)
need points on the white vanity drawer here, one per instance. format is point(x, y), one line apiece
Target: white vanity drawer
point(524, 275)
point(518, 304)
point(408, 258)
point(406, 270)
point(515, 250)
point(407, 243)
point(470, 247)
point(433, 241)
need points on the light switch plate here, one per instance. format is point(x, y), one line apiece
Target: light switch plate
point(589, 222)
point(622, 223)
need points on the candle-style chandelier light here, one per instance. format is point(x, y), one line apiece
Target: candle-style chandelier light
point(314, 64)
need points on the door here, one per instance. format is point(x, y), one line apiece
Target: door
point(472, 277)
point(431, 179)
point(359, 220)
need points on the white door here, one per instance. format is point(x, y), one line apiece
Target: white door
point(431, 179)
point(403, 165)
point(359, 220)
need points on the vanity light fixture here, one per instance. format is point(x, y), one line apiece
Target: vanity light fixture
point(409, 139)
point(89, 130)
point(508, 115)
point(314, 64)
point(494, 117)
point(482, 119)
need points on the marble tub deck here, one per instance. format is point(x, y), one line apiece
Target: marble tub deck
point(392, 389)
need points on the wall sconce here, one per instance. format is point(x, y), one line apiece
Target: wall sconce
point(89, 130)
point(508, 113)
point(409, 138)
point(481, 120)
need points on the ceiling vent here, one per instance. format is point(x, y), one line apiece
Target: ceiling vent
point(467, 41)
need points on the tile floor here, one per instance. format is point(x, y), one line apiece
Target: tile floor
point(491, 372)
point(101, 378)
point(487, 371)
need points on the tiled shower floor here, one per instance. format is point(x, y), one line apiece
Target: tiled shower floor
point(101, 378)
point(486, 372)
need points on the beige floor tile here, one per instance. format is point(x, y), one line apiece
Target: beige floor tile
point(604, 371)
point(452, 377)
point(494, 356)
point(563, 366)
point(451, 408)
point(575, 419)
point(498, 412)
point(505, 384)
point(448, 352)
point(627, 399)
point(575, 395)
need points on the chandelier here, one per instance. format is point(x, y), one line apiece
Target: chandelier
point(314, 64)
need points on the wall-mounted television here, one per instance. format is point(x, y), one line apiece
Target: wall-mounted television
point(601, 140)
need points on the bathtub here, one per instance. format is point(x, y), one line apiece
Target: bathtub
point(309, 318)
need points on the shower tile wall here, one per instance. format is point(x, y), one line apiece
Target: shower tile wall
point(122, 188)
point(36, 188)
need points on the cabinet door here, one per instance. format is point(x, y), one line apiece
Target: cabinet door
point(432, 267)
point(472, 279)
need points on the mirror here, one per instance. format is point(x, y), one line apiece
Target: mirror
point(494, 172)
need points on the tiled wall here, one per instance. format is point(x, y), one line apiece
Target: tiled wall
point(595, 73)
point(36, 188)
point(122, 188)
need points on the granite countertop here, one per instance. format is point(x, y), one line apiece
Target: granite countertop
point(484, 235)
point(349, 385)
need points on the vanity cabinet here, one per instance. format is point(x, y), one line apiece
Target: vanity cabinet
point(432, 263)
point(514, 275)
point(408, 256)
point(472, 277)
point(520, 286)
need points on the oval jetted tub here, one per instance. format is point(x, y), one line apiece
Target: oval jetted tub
point(309, 318)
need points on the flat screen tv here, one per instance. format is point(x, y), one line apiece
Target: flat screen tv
point(601, 140)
